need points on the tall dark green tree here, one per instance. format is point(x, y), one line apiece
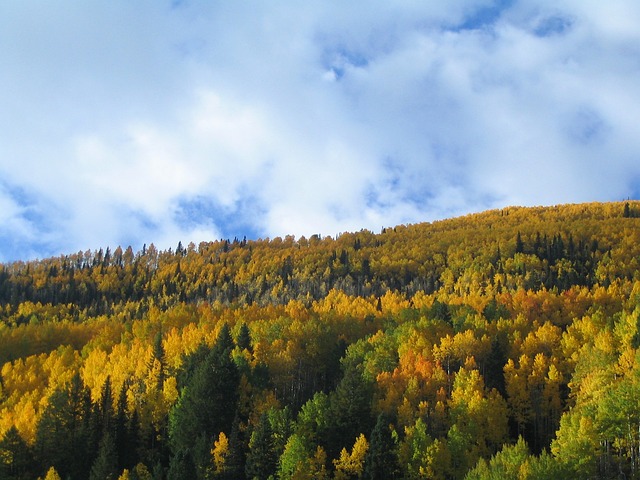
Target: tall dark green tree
point(207, 403)
point(158, 355)
point(104, 408)
point(381, 460)
point(125, 431)
point(244, 338)
point(16, 458)
point(440, 311)
point(237, 452)
point(63, 431)
point(519, 244)
point(105, 466)
point(350, 410)
point(182, 467)
point(132, 456)
point(262, 460)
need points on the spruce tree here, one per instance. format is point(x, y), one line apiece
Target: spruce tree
point(182, 467)
point(244, 338)
point(350, 411)
point(381, 461)
point(208, 401)
point(15, 456)
point(63, 433)
point(237, 452)
point(105, 466)
point(262, 460)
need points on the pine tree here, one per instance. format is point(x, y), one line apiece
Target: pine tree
point(15, 456)
point(261, 459)
point(182, 467)
point(381, 461)
point(208, 402)
point(244, 338)
point(159, 357)
point(106, 465)
point(105, 407)
point(519, 244)
point(63, 437)
point(350, 407)
point(237, 452)
point(120, 431)
point(440, 311)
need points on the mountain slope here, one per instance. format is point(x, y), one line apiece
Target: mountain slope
point(504, 341)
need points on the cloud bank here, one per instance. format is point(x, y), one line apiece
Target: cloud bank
point(128, 123)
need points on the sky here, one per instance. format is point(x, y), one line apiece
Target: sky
point(131, 123)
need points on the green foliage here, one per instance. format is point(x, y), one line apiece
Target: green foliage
point(505, 465)
point(295, 459)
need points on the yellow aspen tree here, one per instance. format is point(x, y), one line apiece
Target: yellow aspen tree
point(517, 392)
point(351, 465)
point(438, 461)
point(52, 474)
point(317, 466)
point(220, 452)
point(142, 472)
point(552, 398)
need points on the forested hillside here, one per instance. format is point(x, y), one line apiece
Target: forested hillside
point(496, 345)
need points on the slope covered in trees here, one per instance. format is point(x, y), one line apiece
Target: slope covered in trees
point(497, 345)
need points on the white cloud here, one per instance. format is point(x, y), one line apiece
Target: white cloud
point(139, 123)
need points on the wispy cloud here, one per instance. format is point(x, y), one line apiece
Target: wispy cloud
point(131, 123)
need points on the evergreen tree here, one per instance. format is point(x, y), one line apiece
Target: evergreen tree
point(381, 461)
point(15, 456)
point(131, 456)
point(440, 311)
point(494, 366)
point(158, 355)
point(519, 244)
point(182, 467)
point(105, 411)
point(244, 338)
point(207, 403)
point(105, 466)
point(237, 452)
point(350, 407)
point(262, 460)
point(63, 431)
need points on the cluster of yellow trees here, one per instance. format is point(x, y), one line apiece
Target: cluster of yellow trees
point(497, 345)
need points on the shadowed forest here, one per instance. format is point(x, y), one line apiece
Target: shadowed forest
point(503, 344)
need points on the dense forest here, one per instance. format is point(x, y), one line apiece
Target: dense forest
point(503, 345)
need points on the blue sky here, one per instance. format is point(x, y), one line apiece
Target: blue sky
point(124, 123)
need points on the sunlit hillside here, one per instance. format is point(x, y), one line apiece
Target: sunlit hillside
point(496, 345)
